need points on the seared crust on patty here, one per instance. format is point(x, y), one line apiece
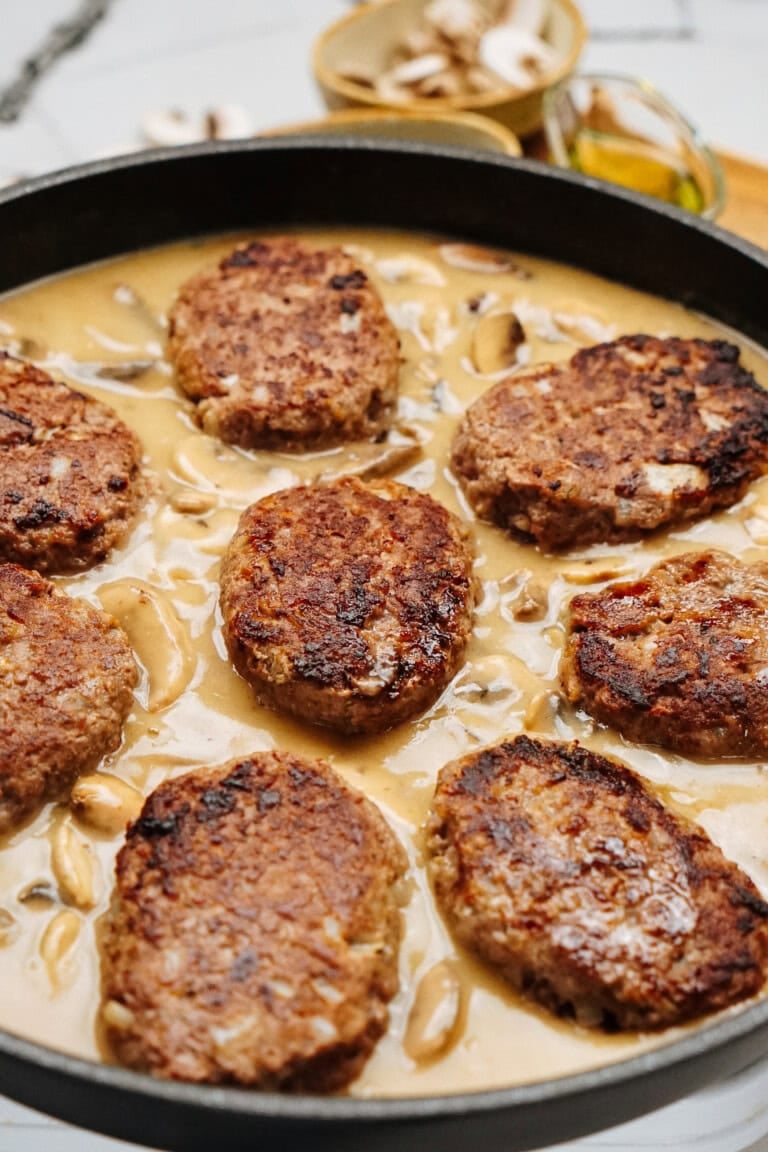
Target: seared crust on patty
point(67, 675)
point(677, 658)
point(559, 867)
point(348, 604)
point(275, 972)
point(621, 439)
point(286, 347)
point(70, 472)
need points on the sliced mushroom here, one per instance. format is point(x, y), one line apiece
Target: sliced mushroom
point(541, 713)
point(456, 19)
point(420, 41)
point(391, 92)
point(495, 342)
point(408, 269)
point(487, 679)
point(597, 570)
point(480, 79)
point(117, 1016)
point(437, 1014)
point(37, 895)
point(158, 637)
point(74, 867)
point(516, 56)
point(56, 946)
point(191, 502)
point(124, 371)
point(529, 601)
point(170, 127)
point(419, 68)
point(462, 47)
point(441, 85)
point(472, 258)
point(228, 122)
point(105, 802)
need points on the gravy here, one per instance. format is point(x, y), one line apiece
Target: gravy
point(102, 329)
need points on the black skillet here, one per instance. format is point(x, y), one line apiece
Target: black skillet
point(117, 206)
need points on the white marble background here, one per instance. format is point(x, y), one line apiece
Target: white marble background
point(145, 55)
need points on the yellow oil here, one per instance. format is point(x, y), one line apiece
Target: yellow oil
point(638, 165)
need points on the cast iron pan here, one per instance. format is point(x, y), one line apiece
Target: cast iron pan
point(111, 207)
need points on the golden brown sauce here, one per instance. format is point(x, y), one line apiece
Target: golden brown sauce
point(192, 710)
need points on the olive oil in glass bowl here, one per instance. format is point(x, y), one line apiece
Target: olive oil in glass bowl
point(622, 130)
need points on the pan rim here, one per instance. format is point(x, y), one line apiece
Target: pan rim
point(320, 142)
point(702, 1041)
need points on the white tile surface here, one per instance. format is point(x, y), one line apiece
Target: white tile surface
point(739, 22)
point(708, 55)
point(32, 146)
point(22, 25)
point(609, 18)
point(259, 63)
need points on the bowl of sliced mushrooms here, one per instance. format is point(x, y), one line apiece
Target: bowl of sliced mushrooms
point(495, 57)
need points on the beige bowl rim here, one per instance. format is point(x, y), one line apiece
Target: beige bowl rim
point(504, 137)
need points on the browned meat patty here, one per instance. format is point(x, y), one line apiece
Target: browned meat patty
point(66, 685)
point(621, 439)
point(560, 868)
point(348, 604)
point(286, 347)
point(275, 972)
point(677, 658)
point(70, 472)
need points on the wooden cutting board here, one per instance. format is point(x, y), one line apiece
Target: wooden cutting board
point(746, 206)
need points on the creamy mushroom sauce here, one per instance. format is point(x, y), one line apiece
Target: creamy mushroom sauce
point(102, 329)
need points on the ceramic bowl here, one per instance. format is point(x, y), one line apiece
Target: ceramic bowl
point(366, 38)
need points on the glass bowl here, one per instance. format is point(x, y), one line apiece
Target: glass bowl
point(623, 130)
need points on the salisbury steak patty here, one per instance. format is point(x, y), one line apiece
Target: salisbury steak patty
point(348, 604)
point(255, 933)
point(286, 347)
point(621, 439)
point(678, 658)
point(560, 868)
point(66, 680)
point(70, 480)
